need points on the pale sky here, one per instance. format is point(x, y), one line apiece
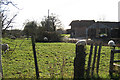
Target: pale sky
point(67, 10)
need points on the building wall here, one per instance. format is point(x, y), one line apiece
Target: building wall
point(78, 28)
point(80, 32)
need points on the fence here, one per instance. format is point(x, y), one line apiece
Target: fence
point(79, 61)
point(94, 59)
point(112, 68)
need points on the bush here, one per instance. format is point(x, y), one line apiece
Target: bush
point(51, 37)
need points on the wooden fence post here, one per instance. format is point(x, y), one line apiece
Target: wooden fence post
point(94, 59)
point(89, 61)
point(1, 71)
point(35, 57)
point(98, 58)
point(111, 63)
point(79, 61)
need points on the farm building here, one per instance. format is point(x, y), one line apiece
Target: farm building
point(92, 29)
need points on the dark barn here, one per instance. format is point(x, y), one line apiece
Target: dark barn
point(92, 29)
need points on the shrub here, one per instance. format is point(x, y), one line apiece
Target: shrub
point(52, 36)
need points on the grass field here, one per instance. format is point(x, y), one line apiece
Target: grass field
point(65, 35)
point(54, 59)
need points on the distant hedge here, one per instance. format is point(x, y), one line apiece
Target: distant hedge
point(51, 37)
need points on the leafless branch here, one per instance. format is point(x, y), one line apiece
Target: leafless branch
point(3, 2)
point(10, 21)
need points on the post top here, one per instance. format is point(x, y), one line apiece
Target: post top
point(81, 42)
point(111, 43)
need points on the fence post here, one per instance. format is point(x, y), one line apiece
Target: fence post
point(111, 63)
point(79, 61)
point(35, 57)
point(1, 71)
point(94, 59)
point(89, 61)
point(98, 58)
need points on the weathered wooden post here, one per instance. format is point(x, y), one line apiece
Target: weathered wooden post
point(1, 71)
point(35, 57)
point(112, 45)
point(89, 61)
point(79, 61)
point(98, 58)
point(94, 59)
point(111, 62)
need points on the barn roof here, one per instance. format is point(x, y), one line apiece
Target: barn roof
point(93, 24)
point(111, 24)
point(81, 23)
point(98, 25)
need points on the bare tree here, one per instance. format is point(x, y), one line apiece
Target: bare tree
point(51, 22)
point(7, 2)
point(4, 21)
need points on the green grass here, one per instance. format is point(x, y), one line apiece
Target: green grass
point(50, 56)
point(65, 35)
point(54, 60)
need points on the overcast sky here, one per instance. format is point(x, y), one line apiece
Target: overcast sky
point(67, 10)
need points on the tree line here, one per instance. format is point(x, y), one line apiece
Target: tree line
point(45, 29)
